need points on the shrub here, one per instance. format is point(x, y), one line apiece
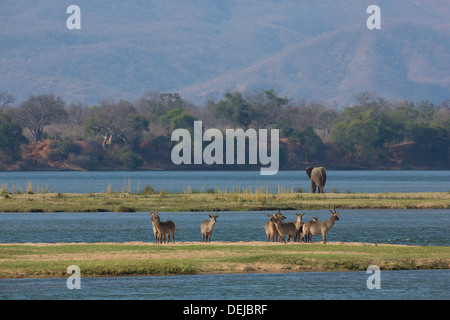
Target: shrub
point(130, 159)
point(148, 190)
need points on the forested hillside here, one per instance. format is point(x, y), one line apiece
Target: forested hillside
point(108, 95)
point(45, 132)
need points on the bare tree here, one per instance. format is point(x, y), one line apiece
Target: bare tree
point(116, 122)
point(76, 113)
point(38, 112)
point(6, 99)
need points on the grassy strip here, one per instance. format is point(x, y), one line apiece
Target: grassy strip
point(222, 201)
point(52, 260)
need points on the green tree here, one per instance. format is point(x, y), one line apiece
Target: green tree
point(177, 119)
point(309, 145)
point(362, 131)
point(233, 110)
point(326, 120)
point(129, 158)
point(403, 117)
point(135, 127)
point(156, 104)
point(11, 136)
point(266, 108)
point(431, 144)
point(426, 111)
point(407, 117)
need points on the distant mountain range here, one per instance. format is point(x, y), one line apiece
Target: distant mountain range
point(312, 50)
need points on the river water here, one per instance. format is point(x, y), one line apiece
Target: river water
point(417, 227)
point(414, 227)
point(176, 181)
point(410, 284)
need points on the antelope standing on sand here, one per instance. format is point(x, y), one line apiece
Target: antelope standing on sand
point(163, 228)
point(284, 228)
point(207, 227)
point(269, 226)
point(298, 226)
point(155, 230)
point(320, 227)
point(307, 225)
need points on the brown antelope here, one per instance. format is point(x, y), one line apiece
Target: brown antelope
point(307, 226)
point(163, 228)
point(320, 227)
point(269, 227)
point(298, 226)
point(207, 227)
point(155, 230)
point(284, 229)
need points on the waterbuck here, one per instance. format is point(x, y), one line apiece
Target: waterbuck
point(307, 225)
point(155, 230)
point(207, 227)
point(163, 228)
point(320, 227)
point(298, 226)
point(269, 227)
point(284, 228)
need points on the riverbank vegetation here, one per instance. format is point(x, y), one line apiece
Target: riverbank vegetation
point(46, 133)
point(215, 199)
point(122, 259)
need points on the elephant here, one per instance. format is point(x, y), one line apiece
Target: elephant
point(318, 176)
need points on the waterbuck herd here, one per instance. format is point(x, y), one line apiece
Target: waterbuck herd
point(276, 229)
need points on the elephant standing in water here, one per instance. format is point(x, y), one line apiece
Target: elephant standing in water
point(318, 178)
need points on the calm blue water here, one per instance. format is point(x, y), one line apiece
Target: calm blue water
point(416, 227)
point(413, 284)
point(413, 227)
point(343, 181)
point(420, 227)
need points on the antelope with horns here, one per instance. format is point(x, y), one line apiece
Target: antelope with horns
point(269, 227)
point(320, 227)
point(207, 227)
point(163, 228)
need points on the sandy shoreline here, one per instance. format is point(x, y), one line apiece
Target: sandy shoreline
point(219, 243)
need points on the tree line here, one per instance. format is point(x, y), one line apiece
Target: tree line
point(373, 133)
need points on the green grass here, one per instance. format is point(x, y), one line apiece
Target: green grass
point(247, 200)
point(18, 260)
point(52, 260)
